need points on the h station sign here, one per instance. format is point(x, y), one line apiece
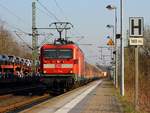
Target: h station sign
point(136, 26)
point(136, 39)
point(136, 30)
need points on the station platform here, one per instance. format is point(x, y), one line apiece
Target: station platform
point(101, 100)
point(96, 97)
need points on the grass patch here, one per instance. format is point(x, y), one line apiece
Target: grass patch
point(126, 105)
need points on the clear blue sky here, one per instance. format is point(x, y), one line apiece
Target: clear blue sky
point(89, 17)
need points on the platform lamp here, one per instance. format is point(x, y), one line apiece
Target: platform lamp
point(111, 26)
point(112, 7)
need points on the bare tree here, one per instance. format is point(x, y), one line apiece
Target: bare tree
point(8, 44)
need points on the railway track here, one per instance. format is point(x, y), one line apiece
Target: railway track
point(5, 96)
point(25, 88)
point(10, 103)
point(14, 103)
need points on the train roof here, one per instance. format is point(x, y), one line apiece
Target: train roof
point(61, 43)
point(46, 46)
point(58, 45)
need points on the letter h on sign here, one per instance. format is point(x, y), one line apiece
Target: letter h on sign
point(136, 26)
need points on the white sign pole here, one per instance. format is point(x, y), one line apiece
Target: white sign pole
point(136, 31)
point(136, 76)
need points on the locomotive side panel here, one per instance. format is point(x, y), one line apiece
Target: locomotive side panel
point(78, 63)
point(81, 64)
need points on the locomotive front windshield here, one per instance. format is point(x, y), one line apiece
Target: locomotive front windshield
point(58, 53)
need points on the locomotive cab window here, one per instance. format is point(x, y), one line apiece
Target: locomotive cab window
point(58, 53)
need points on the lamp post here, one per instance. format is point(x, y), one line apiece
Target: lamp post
point(121, 51)
point(111, 26)
point(112, 55)
point(112, 7)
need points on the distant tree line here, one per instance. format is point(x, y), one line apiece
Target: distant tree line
point(147, 36)
point(10, 46)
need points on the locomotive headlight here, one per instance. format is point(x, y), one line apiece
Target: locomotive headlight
point(58, 61)
point(71, 71)
point(44, 71)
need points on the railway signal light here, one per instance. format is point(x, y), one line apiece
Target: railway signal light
point(114, 52)
point(118, 36)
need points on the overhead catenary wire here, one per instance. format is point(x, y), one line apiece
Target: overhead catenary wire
point(23, 40)
point(13, 14)
point(16, 28)
point(61, 10)
point(18, 35)
point(49, 12)
point(58, 6)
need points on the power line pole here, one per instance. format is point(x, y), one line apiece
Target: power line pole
point(34, 36)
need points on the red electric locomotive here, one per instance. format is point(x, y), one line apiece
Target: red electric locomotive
point(62, 64)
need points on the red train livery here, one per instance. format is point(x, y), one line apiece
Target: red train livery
point(62, 64)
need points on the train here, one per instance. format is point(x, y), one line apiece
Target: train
point(13, 65)
point(16, 71)
point(63, 66)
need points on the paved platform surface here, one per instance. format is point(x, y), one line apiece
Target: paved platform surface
point(100, 100)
